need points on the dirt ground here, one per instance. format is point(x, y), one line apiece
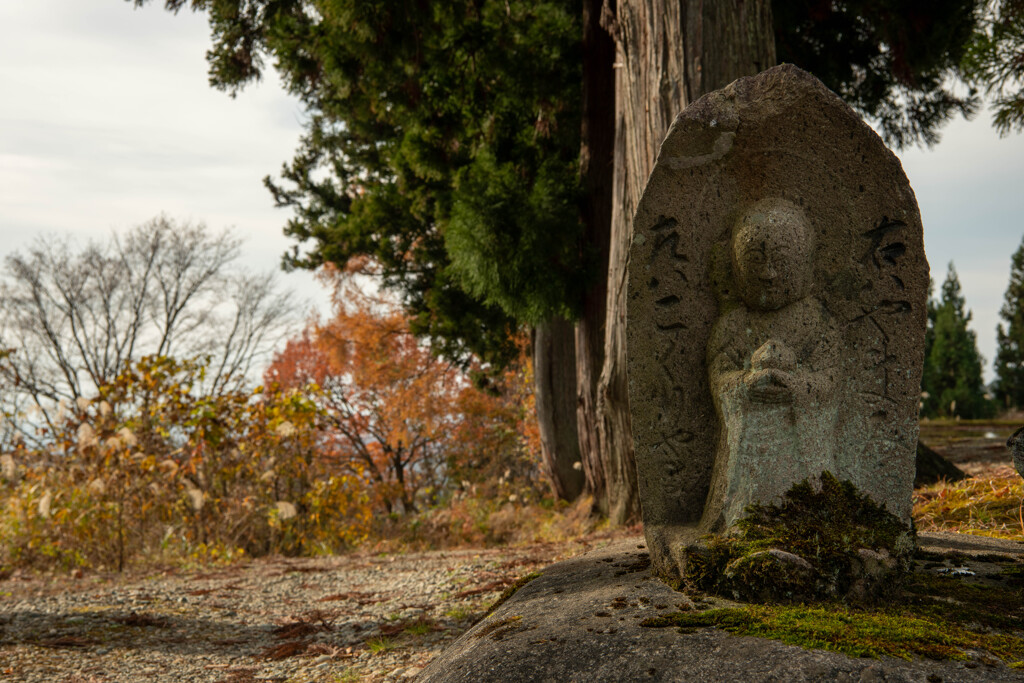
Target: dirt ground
point(978, 447)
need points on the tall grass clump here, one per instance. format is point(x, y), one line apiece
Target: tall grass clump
point(983, 506)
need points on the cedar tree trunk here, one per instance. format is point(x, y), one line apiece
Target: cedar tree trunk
point(597, 172)
point(554, 376)
point(668, 53)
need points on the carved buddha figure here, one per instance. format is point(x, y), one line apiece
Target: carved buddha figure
point(772, 365)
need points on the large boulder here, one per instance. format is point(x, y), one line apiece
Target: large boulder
point(580, 620)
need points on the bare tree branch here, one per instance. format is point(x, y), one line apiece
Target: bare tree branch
point(72, 318)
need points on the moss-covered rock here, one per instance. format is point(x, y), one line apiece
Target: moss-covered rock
point(897, 632)
point(822, 542)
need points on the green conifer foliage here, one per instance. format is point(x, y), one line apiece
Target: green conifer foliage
point(442, 141)
point(994, 61)
point(1009, 364)
point(892, 60)
point(443, 138)
point(952, 379)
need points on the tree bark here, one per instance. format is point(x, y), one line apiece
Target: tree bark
point(554, 376)
point(668, 53)
point(596, 169)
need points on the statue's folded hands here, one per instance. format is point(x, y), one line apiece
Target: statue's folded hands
point(770, 386)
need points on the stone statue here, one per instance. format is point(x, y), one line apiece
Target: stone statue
point(776, 311)
point(773, 364)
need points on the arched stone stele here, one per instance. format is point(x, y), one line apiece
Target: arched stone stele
point(776, 316)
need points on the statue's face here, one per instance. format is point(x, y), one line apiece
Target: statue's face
point(772, 254)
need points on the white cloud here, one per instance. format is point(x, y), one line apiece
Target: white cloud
point(107, 119)
point(969, 191)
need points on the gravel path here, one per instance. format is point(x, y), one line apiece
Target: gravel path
point(359, 617)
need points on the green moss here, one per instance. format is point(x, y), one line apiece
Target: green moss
point(1014, 574)
point(934, 616)
point(857, 633)
point(962, 602)
point(510, 591)
point(499, 629)
point(846, 546)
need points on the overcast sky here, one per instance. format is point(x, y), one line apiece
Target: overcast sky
point(107, 120)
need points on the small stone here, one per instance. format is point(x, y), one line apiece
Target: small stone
point(771, 575)
point(875, 562)
point(789, 558)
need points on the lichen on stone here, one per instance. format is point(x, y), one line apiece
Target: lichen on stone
point(510, 591)
point(822, 542)
point(500, 628)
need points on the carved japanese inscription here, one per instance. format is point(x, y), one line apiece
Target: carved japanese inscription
point(777, 287)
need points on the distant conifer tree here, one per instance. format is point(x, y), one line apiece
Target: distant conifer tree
point(952, 378)
point(1009, 364)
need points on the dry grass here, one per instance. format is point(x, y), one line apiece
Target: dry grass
point(489, 522)
point(983, 506)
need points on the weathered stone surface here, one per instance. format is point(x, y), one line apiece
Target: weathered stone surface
point(1016, 445)
point(971, 546)
point(932, 468)
point(580, 621)
point(776, 309)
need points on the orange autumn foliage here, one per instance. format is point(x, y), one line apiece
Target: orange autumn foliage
point(153, 468)
point(410, 425)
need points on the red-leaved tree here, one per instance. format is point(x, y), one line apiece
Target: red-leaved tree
point(407, 423)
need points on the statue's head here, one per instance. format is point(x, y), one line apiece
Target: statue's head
point(772, 254)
